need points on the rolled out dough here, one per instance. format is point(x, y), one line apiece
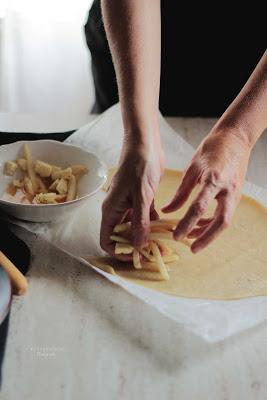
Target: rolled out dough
point(232, 267)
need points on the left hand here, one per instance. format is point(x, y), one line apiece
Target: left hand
point(219, 166)
point(131, 194)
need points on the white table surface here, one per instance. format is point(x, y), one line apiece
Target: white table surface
point(63, 344)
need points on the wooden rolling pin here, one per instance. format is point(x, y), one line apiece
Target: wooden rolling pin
point(18, 281)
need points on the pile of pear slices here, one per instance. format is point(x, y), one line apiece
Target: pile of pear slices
point(160, 250)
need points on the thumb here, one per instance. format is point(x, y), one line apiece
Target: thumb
point(189, 181)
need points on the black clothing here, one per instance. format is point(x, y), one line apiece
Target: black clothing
point(205, 58)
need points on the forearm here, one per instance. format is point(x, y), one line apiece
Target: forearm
point(248, 112)
point(133, 32)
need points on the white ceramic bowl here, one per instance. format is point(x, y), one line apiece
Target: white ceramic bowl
point(61, 154)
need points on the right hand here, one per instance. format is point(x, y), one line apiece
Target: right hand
point(219, 166)
point(132, 190)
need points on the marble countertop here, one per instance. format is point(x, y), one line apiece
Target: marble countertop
point(63, 344)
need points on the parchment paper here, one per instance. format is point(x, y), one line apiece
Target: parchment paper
point(78, 235)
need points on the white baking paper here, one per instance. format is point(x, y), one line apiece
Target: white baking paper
point(78, 235)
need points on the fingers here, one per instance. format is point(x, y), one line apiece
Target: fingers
point(113, 209)
point(223, 216)
point(204, 221)
point(140, 221)
point(189, 181)
point(195, 211)
point(127, 216)
point(196, 232)
point(201, 226)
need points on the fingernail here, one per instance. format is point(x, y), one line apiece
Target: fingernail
point(178, 236)
point(165, 207)
point(138, 242)
point(178, 233)
point(195, 249)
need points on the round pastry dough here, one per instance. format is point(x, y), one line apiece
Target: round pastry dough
point(234, 266)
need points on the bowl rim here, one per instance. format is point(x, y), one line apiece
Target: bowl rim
point(63, 144)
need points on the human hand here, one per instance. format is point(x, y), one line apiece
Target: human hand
point(132, 192)
point(219, 166)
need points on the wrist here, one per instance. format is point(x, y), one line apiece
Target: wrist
point(143, 146)
point(142, 135)
point(231, 128)
point(141, 140)
point(141, 123)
